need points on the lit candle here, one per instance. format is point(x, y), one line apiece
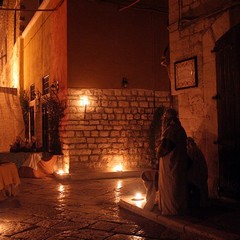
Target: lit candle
point(60, 172)
point(118, 168)
point(138, 197)
point(84, 101)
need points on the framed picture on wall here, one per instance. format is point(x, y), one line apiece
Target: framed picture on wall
point(186, 73)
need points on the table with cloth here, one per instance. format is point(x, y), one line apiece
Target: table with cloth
point(9, 180)
point(31, 164)
point(38, 166)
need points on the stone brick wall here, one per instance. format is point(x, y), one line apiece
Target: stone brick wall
point(194, 28)
point(112, 129)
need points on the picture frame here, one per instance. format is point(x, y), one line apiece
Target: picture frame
point(186, 75)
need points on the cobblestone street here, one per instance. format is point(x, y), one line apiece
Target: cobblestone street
point(49, 209)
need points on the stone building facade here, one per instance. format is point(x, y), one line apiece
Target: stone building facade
point(91, 49)
point(195, 26)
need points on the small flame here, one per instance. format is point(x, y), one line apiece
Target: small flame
point(118, 168)
point(138, 196)
point(84, 101)
point(60, 172)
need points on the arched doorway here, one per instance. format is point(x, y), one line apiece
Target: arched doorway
point(228, 105)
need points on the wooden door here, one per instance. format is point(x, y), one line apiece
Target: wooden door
point(228, 104)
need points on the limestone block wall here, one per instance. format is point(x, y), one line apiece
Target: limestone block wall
point(190, 36)
point(113, 128)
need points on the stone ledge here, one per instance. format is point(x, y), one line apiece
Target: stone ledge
point(183, 224)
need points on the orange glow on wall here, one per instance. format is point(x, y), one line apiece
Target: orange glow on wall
point(84, 101)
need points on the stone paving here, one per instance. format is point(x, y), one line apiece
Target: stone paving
point(88, 209)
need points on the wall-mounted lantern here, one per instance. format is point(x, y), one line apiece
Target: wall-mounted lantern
point(124, 82)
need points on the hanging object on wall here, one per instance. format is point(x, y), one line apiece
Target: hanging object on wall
point(124, 82)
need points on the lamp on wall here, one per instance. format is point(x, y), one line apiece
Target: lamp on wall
point(124, 82)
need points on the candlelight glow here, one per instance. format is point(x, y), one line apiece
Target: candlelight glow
point(66, 168)
point(139, 196)
point(118, 191)
point(60, 172)
point(3, 227)
point(84, 101)
point(139, 200)
point(61, 188)
point(118, 168)
point(140, 204)
point(15, 74)
point(63, 194)
point(119, 184)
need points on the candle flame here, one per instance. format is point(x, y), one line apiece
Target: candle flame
point(118, 168)
point(84, 101)
point(138, 196)
point(60, 172)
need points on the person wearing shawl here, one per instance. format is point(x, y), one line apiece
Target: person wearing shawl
point(172, 153)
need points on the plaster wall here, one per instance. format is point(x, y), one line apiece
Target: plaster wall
point(105, 45)
point(9, 49)
point(11, 118)
point(197, 107)
point(44, 52)
point(45, 46)
point(10, 57)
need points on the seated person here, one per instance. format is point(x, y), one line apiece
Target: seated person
point(150, 180)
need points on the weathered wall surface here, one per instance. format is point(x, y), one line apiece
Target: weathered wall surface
point(45, 46)
point(10, 74)
point(45, 52)
point(11, 124)
point(194, 33)
point(113, 129)
point(9, 51)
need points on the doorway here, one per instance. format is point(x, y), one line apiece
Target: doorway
point(228, 106)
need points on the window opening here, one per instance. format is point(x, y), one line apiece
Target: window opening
point(45, 85)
